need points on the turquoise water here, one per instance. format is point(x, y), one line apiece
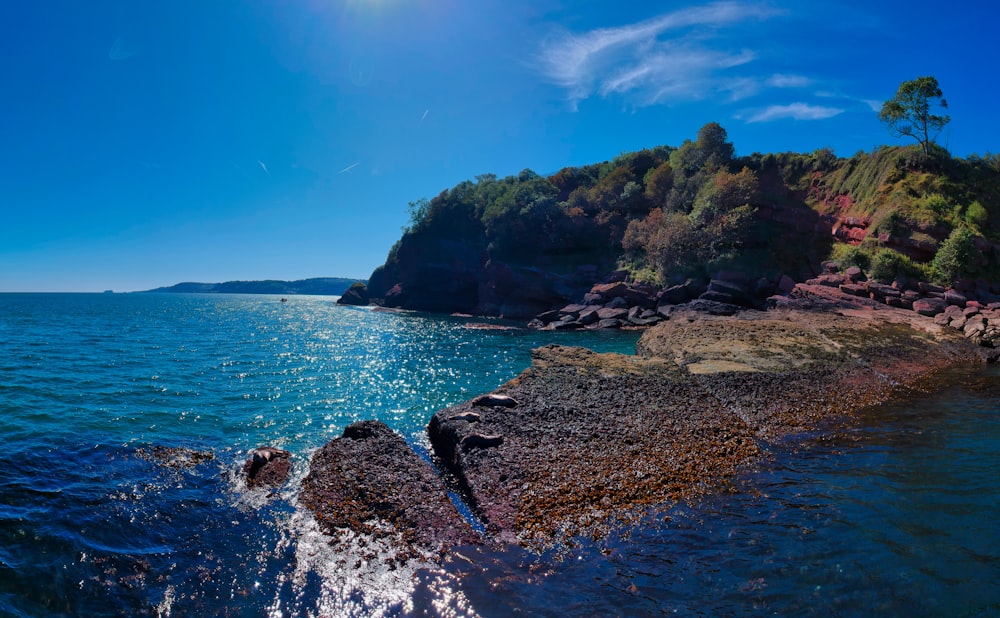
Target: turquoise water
point(894, 516)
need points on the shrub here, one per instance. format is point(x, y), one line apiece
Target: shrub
point(887, 265)
point(957, 256)
point(849, 255)
point(976, 215)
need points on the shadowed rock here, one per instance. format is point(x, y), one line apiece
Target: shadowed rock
point(268, 466)
point(369, 481)
point(494, 399)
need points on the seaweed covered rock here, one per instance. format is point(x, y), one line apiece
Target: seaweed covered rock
point(370, 482)
point(267, 466)
point(593, 439)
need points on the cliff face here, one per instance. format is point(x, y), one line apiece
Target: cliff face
point(525, 244)
point(458, 276)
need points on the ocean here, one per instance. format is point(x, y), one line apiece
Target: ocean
point(127, 418)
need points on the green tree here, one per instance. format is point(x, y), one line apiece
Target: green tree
point(908, 114)
point(957, 257)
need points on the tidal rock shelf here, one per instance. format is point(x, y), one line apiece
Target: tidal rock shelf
point(581, 442)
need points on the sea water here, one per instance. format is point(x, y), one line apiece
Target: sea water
point(893, 515)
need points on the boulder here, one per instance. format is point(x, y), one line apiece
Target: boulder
point(370, 482)
point(608, 313)
point(733, 289)
point(719, 297)
point(954, 298)
point(929, 306)
point(641, 295)
point(676, 294)
point(357, 294)
point(854, 289)
point(607, 291)
point(880, 291)
point(571, 310)
point(974, 327)
point(618, 302)
point(830, 280)
point(607, 323)
point(855, 274)
point(589, 316)
point(267, 466)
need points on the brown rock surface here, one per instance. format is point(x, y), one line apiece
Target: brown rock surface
point(595, 437)
point(267, 466)
point(369, 481)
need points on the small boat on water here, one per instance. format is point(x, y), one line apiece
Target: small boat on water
point(284, 300)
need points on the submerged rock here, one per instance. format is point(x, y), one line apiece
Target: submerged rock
point(370, 482)
point(174, 456)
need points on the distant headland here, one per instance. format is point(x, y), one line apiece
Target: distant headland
point(320, 286)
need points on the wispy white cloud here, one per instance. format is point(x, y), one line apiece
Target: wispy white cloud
point(349, 168)
point(796, 111)
point(780, 80)
point(653, 61)
point(263, 167)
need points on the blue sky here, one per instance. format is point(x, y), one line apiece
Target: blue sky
point(149, 143)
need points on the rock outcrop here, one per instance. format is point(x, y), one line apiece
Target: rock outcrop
point(594, 437)
point(357, 294)
point(267, 467)
point(370, 482)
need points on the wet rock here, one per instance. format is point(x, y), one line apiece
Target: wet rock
point(607, 323)
point(598, 436)
point(370, 482)
point(267, 466)
point(174, 456)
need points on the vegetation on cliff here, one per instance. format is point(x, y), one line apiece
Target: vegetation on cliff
point(319, 286)
point(666, 214)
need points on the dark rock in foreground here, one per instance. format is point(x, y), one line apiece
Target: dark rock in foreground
point(267, 466)
point(371, 482)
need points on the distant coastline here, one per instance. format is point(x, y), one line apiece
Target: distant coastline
point(319, 286)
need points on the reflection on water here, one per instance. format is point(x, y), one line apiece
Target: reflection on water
point(894, 515)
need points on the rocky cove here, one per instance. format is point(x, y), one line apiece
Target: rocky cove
point(582, 442)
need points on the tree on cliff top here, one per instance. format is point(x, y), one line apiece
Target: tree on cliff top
point(909, 112)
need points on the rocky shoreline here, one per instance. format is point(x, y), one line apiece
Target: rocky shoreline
point(581, 442)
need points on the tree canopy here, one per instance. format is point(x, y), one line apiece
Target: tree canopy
point(908, 114)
